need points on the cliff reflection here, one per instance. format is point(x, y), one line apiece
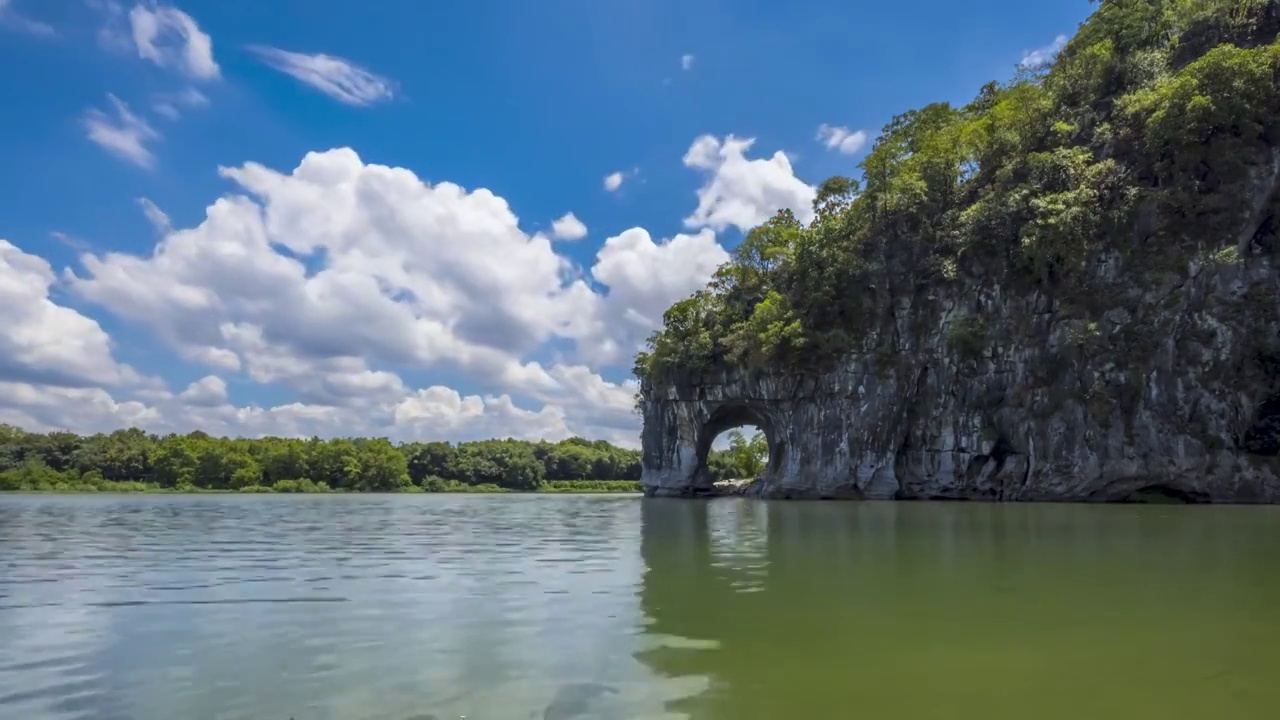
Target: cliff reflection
point(741, 593)
point(796, 609)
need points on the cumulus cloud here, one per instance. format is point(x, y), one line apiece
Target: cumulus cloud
point(414, 272)
point(336, 77)
point(841, 139)
point(644, 278)
point(44, 341)
point(742, 192)
point(568, 227)
point(437, 410)
point(613, 181)
point(10, 18)
point(208, 391)
point(337, 279)
point(686, 62)
point(1044, 55)
point(171, 39)
point(332, 279)
point(432, 413)
point(121, 133)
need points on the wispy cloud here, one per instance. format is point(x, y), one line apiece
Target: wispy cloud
point(613, 181)
point(157, 217)
point(114, 34)
point(121, 133)
point(336, 77)
point(1043, 56)
point(842, 139)
point(10, 18)
point(686, 62)
point(171, 105)
point(171, 39)
point(74, 243)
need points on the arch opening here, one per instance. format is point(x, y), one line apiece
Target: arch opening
point(737, 446)
point(1160, 494)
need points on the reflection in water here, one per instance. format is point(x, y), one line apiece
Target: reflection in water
point(739, 533)
point(964, 610)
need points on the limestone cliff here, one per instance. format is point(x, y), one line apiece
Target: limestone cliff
point(1152, 367)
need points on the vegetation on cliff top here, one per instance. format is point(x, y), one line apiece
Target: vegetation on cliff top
point(1149, 115)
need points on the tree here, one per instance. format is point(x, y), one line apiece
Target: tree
point(382, 468)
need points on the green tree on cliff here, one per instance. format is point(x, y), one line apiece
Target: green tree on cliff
point(1143, 127)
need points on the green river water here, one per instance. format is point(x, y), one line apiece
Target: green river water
point(617, 607)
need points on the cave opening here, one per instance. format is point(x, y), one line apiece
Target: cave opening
point(1263, 436)
point(1159, 494)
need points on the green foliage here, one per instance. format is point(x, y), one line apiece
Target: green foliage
point(134, 461)
point(744, 459)
point(1156, 108)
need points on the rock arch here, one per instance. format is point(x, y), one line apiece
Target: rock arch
point(678, 438)
point(726, 416)
point(808, 441)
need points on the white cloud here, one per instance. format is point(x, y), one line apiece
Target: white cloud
point(74, 243)
point(171, 39)
point(157, 217)
point(403, 275)
point(338, 282)
point(417, 272)
point(1043, 56)
point(437, 410)
point(613, 181)
point(842, 139)
point(11, 18)
point(125, 135)
point(208, 391)
point(432, 413)
point(740, 192)
point(336, 77)
point(46, 342)
point(568, 227)
point(686, 62)
point(644, 278)
point(171, 105)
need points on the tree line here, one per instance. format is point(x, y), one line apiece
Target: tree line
point(134, 460)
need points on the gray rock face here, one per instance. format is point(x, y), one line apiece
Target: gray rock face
point(1162, 381)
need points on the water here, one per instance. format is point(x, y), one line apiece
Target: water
point(575, 607)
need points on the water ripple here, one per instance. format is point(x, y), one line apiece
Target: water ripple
point(316, 608)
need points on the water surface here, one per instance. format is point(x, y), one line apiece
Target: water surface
point(577, 607)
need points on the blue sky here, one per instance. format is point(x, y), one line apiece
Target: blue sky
point(536, 102)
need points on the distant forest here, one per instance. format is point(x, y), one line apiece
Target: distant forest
point(136, 461)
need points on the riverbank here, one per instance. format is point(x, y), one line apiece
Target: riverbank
point(550, 487)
